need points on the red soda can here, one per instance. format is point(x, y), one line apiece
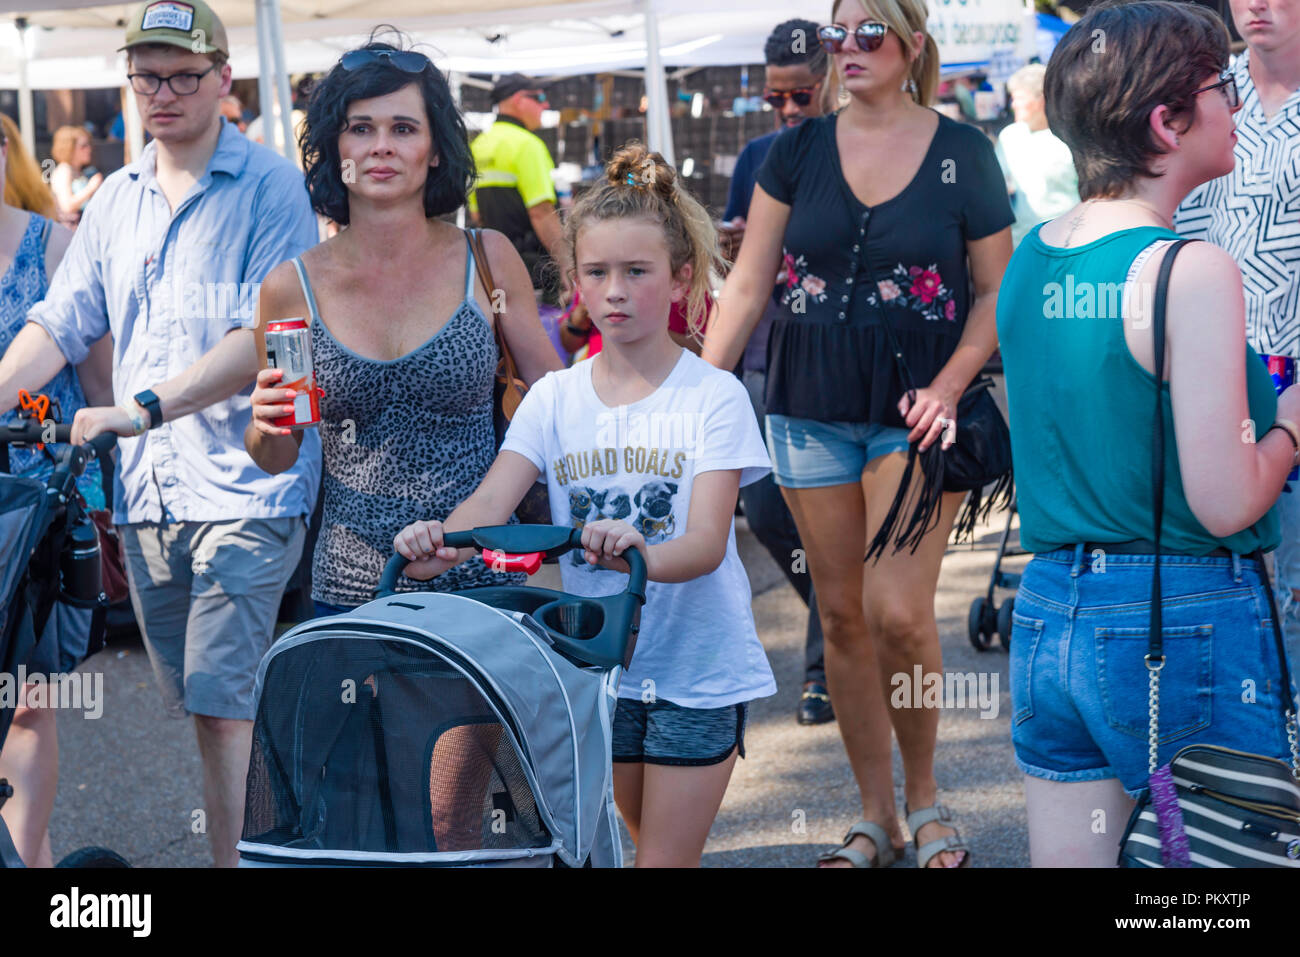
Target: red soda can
point(1281, 369)
point(288, 347)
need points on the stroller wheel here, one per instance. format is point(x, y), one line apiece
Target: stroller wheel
point(979, 627)
point(94, 857)
point(1004, 622)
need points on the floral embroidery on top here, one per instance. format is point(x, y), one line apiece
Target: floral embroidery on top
point(793, 275)
point(918, 289)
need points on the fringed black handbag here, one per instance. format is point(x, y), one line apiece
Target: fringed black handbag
point(980, 457)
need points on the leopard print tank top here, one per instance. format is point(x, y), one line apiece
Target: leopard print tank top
point(402, 440)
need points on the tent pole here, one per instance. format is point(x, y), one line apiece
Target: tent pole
point(659, 130)
point(26, 111)
point(281, 78)
point(132, 126)
point(265, 90)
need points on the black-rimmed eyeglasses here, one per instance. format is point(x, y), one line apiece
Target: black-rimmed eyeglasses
point(182, 84)
point(408, 61)
point(1228, 83)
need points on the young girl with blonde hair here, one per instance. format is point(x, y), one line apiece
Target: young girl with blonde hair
point(646, 446)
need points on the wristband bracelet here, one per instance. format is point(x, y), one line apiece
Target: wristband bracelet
point(136, 416)
point(575, 331)
point(1290, 428)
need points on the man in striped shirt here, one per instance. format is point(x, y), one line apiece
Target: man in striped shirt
point(1254, 213)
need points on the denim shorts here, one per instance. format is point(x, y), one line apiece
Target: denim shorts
point(807, 453)
point(1079, 683)
point(660, 732)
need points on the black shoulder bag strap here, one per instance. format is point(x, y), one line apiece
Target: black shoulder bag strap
point(1155, 657)
point(1155, 652)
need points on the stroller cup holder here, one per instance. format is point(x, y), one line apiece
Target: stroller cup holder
point(588, 631)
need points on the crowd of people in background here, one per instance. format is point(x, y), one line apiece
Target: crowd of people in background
point(896, 284)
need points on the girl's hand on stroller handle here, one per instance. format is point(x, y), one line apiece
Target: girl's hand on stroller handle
point(421, 544)
point(605, 541)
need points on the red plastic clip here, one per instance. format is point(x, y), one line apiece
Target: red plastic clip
point(529, 562)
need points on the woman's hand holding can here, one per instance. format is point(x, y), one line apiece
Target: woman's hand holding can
point(270, 403)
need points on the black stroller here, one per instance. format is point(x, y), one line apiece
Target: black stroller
point(49, 552)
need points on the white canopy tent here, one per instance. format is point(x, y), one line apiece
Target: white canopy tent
point(69, 44)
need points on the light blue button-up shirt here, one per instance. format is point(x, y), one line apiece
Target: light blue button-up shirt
point(170, 286)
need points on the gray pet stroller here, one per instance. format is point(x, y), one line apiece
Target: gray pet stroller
point(439, 729)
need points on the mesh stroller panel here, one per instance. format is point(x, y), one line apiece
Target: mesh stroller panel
point(382, 746)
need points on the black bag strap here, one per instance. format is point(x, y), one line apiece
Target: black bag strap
point(1155, 639)
point(1155, 657)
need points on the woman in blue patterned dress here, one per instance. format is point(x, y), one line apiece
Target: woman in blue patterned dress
point(31, 247)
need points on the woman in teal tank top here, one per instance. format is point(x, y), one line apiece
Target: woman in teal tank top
point(1075, 329)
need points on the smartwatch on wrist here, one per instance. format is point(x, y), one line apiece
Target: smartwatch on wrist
point(149, 402)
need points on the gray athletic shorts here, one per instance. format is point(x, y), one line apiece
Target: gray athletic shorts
point(205, 596)
point(665, 733)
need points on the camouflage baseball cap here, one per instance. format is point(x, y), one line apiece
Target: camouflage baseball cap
point(190, 24)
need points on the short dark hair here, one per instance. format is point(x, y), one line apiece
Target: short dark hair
point(781, 46)
point(449, 183)
point(1116, 65)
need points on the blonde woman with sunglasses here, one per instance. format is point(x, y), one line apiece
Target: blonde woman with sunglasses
point(885, 212)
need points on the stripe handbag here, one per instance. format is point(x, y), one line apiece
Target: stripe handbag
point(1210, 806)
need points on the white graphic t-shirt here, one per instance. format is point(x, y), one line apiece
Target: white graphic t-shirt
point(697, 647)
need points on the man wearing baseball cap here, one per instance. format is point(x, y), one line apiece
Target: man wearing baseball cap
point(515, 194)
point(168, 258)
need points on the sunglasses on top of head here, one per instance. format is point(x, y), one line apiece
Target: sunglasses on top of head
point(868, 35)
point(408, 61)
point(802, 96)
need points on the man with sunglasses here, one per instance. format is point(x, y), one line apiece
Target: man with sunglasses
point(796, 70)
point(1251, 213)
point(169, 258)
point(515, 194)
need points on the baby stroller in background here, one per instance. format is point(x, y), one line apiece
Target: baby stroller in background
point(49, 552)
point(439, 729)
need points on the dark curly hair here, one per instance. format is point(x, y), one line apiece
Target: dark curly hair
point(449, 183)
point(780, 47)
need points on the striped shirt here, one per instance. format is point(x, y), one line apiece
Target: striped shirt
point(1254, 213)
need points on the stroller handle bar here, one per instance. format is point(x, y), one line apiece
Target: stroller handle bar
point(73, 461)
point(596, 631)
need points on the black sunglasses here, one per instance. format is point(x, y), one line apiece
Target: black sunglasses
point(869, 36)
point(1228, 82)
point(408, 61)
point(802, 96)
point(538, 97)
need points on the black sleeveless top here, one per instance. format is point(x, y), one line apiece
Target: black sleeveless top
point(846, 266)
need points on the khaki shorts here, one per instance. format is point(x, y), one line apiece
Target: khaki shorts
point(206, 596)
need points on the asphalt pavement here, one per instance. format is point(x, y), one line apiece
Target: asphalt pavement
point(130, 780)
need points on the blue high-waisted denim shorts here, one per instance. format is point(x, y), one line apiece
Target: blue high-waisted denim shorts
point(808, 453)
point(1078, 679)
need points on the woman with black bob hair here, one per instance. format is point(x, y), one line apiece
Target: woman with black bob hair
point(378, 69)
point(401, 329)
point(1142, 95)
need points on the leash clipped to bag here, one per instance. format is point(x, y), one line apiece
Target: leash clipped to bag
point(1207, 776)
